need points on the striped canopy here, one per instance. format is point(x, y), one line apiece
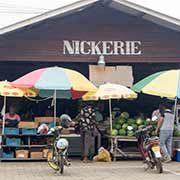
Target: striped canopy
point(111, 91)
point(6, 89)
point(67, 83)
point(164, 84)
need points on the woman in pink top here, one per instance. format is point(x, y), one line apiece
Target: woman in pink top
point(11, 118)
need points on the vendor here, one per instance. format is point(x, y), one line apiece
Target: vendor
point(11, 118)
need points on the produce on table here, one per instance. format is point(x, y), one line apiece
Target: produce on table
point(130, 133)
point(122, 132)
point(139, 121)
point(125, 115)
point(114, 132)
point(124, 125)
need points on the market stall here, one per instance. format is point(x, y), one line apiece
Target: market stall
point(24, 140)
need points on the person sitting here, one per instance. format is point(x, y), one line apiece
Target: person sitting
point(11, 118)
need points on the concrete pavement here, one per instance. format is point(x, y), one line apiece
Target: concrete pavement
point(121, 170)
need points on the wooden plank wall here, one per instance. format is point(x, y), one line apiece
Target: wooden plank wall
point(43, 42)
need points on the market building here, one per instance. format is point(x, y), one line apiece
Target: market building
point(75, 36)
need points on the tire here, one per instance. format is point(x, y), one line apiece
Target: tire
point(51, 162)
point(158, 164)
point(61, 163)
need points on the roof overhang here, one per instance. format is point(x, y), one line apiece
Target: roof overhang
point(121, 5)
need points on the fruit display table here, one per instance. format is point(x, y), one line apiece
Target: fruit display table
point(117, 151)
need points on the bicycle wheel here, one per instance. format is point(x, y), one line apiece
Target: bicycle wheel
point(51, 159)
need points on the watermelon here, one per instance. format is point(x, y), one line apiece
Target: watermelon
point(130, 133)
point(121, 120)
point(118, 126)
point(114, 126)
point(147, 122)
point(114, 132)
point(153, 133)
point(130, 121)
point(135, 126)
point(177, 133)
point(124, 126)
point(125, 115)
point(139, 121)
point(122, 132)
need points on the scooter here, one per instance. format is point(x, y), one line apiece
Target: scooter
point(57, 154)
point(149, 148)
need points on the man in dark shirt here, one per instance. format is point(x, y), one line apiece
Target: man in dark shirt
point(87, 123)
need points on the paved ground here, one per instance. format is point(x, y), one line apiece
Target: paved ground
point(121, 170)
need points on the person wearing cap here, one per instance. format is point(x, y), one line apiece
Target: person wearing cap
point(165, 127)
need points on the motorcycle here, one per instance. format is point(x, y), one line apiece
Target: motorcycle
point(149, 148)
point(57, 154)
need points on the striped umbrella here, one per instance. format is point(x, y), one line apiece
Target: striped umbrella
point(57, 82)
point(163, 84)
point(7, 90)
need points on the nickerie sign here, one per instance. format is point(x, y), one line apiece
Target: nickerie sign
point(76, 47)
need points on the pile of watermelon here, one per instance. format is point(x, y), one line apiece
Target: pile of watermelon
point(126, 126)
point(176, 131)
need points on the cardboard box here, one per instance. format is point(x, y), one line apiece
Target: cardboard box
point(45, 119)
point(27, 124)
point(36, 155)
point(45, 151)
point(22, 153)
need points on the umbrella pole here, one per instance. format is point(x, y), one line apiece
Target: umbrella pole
point(110, 116)
point(175, 113)
point(54, 107)
point(4, 111)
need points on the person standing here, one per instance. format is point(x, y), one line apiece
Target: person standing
point(165, 127)
point(87, 124)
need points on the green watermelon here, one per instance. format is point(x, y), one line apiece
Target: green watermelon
point(147, 122)
point(125, 115)
point(135, 126)
point(177, 133)
point(131, 121)
point(130, 133)
point(118, 126)
point(121, 120)
point(139, 121)
point(114, 132)
point(122, 132)
point(124, 126)
point(153, 133)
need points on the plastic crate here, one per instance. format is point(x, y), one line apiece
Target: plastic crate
point(178, 155)
point(49, 124)
point(11, 131)
point(13, 141)
point(28, 131)
point(8, 154)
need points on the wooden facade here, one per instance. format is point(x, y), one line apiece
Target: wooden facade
point(43, 42)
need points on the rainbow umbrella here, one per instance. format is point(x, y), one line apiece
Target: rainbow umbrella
point(163, 84)
point(57, 82)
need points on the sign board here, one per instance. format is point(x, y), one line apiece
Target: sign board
point(114, 74)
point(76, 47)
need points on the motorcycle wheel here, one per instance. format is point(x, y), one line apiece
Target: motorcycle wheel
point(61, 163)
point(158, 164)
point(51, 162)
